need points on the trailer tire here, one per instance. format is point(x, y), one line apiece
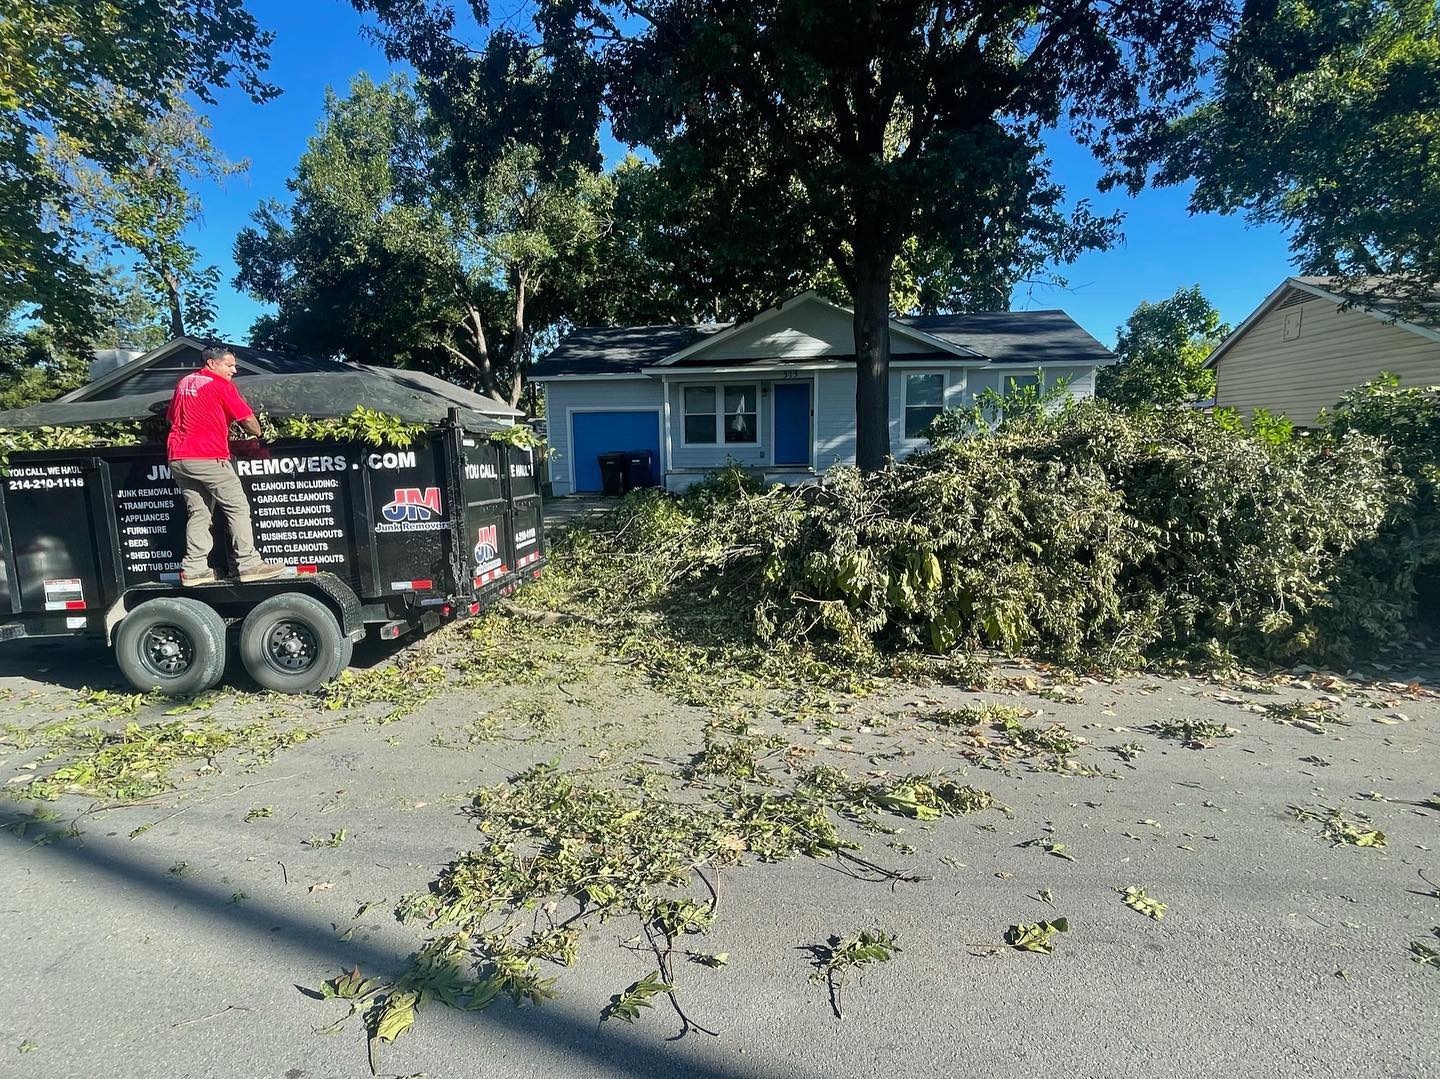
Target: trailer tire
point(292, 643)
point(347, 653)
point(173, 644)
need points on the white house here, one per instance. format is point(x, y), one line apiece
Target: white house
point(776, 394)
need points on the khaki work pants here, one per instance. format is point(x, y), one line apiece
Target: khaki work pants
point(205, 485)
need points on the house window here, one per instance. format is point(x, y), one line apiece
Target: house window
point(924, 400)
point(742, 417)
point(729, 414)
point(700, 414)
point(1020, 382)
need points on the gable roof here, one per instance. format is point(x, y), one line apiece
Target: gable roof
point(1029, 337)
point(692, 352)
point(1381, 298)
point(158, 370)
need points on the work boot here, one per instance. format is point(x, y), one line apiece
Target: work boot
point(204, 576)
point(266, 571)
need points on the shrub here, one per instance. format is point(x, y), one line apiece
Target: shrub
point(1390, 582)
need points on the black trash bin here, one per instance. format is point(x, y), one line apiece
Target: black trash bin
point(612, 473)
point(640, 469)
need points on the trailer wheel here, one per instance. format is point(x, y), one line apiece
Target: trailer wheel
point(291, 643)
point(173, 644)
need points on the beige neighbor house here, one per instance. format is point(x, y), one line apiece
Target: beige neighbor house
point(1309, 343)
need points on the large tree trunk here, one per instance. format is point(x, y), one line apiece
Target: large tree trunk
point(518, 342)
point(872, 364)
point(172, 296)
point(481, 347)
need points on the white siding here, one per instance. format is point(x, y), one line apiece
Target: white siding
point(1333, 351)
point(563, 398)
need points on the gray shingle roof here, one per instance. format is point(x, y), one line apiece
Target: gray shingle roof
point(604, 350)
point(1000, 336)
point(1388, 296)
point(160, 376)
point(1016, 336)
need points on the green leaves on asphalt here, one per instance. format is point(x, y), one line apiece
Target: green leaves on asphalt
point(1192, 733)
point(351, 985)
point(1139, 900)
point(1036, 936)
point(1340, 827)
point(1427, 955)
point(835, 960)
point(626, 1006)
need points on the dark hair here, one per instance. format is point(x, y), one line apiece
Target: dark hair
point(216, 352)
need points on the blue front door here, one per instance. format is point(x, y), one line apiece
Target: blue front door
point(611, 432)
point(792, 423)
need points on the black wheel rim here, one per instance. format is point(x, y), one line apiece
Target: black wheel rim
point(167, 651)
point(291, 647)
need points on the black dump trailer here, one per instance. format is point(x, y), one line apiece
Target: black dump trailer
point(400, 539)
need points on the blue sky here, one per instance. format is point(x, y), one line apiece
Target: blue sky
point(318, 44)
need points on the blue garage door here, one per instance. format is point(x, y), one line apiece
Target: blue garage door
point(595, 433)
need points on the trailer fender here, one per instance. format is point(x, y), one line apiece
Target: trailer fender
point(235, 598)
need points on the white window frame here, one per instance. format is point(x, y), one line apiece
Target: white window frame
point(905, 399)
point(720, 388)
point(685, 413)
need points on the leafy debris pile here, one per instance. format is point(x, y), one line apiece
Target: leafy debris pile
point(138, 760)
point(1096, 537)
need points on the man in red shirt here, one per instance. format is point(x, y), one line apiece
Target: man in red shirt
point(206, 402)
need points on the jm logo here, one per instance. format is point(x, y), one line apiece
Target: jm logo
point(413, 504)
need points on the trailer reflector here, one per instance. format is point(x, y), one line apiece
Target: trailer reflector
point(423, 585)
point(491, 575)
point(307, 569)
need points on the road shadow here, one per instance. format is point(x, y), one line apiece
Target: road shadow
point(87, 663)
point(550, 1025)
point(67, 662)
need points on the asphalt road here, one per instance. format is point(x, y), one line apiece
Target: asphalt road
point(1280, 954)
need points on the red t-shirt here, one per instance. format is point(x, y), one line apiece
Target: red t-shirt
point(201, 412)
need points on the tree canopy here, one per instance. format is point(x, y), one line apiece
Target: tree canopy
point(1162, 350)
point(1326, 120)
point(388, 254)
point(37, 363)
point(94, 73)
point(145, 208)
point(800, 132)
